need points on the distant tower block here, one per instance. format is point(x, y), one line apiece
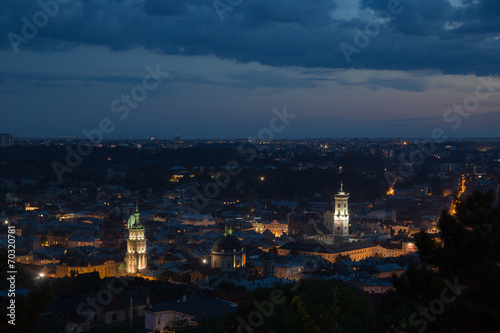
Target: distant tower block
point(136, 256)
point(6, 140)
point(328, 216)
point(341, 216)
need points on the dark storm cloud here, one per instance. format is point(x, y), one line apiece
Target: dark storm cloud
point(427, 34)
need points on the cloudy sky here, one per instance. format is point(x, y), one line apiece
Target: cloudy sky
point(346, 68)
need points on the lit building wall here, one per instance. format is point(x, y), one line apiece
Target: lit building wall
point(275, 227)
point(107, 269)
point(341, 215)
point(136, 256)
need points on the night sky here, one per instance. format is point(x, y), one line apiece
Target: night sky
point(231, 62)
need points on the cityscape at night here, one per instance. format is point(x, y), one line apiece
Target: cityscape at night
point(237, 166)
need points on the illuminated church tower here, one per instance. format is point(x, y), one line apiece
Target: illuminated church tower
point(136, 257)
point(341, 216)
point(336, 217)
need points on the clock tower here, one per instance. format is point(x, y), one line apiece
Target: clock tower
point(341, 216)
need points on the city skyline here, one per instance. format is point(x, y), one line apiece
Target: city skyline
point(202, 166)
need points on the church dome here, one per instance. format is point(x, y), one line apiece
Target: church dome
point(227, 243)
point(122, 267)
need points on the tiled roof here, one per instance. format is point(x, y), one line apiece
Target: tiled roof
point(199, 307)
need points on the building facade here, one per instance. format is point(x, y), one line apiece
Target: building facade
point(107, 268)
point(227, 253)
point(277, 228)
point(336, 218)
point(136, 256)
point(6, 140)
point(198, 220)
point(355, 250)
point(341, 218)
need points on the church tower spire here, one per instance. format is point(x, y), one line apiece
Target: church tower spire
point(136, 256)
point(228, 231)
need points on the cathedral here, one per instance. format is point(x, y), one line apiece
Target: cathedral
point(336, 217)
point(227, 253)
point(136, 256)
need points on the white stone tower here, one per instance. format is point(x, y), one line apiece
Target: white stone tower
point(341, 216)
point(136, 256)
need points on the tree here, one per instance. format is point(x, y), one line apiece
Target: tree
point(464, 267)
point(330, 318)
point(342, 257)
point(178, 326)
point(305, 317)
point(30, 310)
point(308, 306)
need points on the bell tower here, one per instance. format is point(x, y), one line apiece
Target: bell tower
point(136, 256)
point(341, 216)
